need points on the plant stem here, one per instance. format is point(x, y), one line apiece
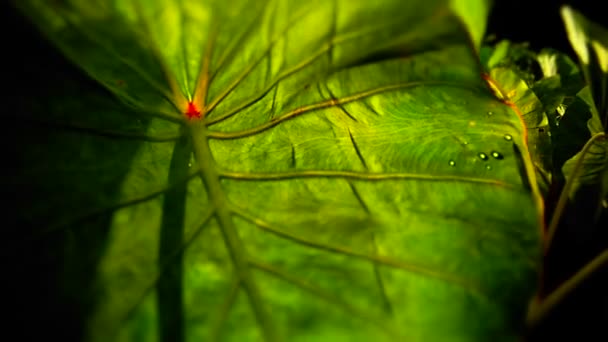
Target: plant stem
point(539, 312)
point(563, 197)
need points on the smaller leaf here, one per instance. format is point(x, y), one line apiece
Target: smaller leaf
point(595, 159)
point(553, 62)
point(590, 42)
point(567, 114)
point(508, 84)
point(569, 130)
point(515, 56)
point(493, 56)
point(560, 83)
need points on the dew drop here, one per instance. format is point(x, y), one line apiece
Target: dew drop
point(452, 163)
point(490, 113)
point(189, 164)
point(508, 137)
point(497, 155)
point(483, 156)
point(488, 167)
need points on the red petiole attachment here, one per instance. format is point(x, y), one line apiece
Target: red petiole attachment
point(192, 112)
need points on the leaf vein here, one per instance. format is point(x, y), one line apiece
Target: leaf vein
point(317, 291)
point(325, 104)
point(406, 266)
point(273, 176)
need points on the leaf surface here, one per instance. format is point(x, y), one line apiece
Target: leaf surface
point(344, 180)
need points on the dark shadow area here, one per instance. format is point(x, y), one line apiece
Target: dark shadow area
point(539, 22)
point(583, 315)
point(170, 262)
point(54, 178)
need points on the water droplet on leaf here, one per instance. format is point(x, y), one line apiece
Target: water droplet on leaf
point(483, 156)
point(189, 164)
point(497, 155)
point(508, 137)
point(452, 163)
point(490, 113)
point(488, 167)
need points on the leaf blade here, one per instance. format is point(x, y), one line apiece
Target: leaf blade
point(336, 130)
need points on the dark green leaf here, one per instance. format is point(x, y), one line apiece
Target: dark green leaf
point(595, 160)
point(557, 91)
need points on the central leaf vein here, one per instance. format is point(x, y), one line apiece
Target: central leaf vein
point(211, 178)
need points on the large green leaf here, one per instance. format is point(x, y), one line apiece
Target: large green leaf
point(350, 176)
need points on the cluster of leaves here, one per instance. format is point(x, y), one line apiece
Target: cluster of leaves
point(564, 88)
point(574, 100)
point(299, 170)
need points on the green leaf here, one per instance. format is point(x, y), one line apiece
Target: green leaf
point(344, 181)
point(590, 42)
point(569, 131)
point(553, 63)
point(560, 83)
point(515, 56)
point(594, 164)
point(557, 91)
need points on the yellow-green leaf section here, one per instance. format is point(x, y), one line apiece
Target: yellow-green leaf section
point(351, 178)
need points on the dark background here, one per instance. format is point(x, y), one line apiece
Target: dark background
point(539, 22)
point(31, 63)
